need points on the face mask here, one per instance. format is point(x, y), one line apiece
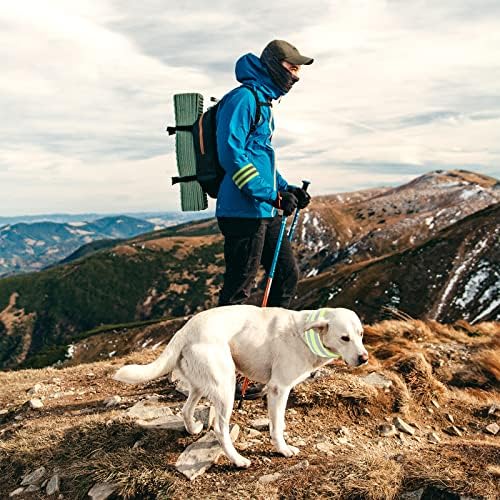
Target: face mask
point(283, 79)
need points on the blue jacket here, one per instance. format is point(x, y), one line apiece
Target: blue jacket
point(251, 182)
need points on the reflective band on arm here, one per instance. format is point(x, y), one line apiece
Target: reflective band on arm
point(245, 175)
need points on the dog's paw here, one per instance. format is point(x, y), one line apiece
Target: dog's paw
point(242, 462)
point(195, 428)
point(288, 451)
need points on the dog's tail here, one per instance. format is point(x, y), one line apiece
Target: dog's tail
point(136, 374)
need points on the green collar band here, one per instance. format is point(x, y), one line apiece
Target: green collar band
point(313, 340)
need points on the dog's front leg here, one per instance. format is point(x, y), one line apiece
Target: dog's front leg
point(277, 397)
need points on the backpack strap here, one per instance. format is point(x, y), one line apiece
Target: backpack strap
point(180, 128)
point(259, 105)
point(185, 178)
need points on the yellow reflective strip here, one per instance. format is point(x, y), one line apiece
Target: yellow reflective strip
point(242, 171)
point(240, 180)
point(308, 340)
point(314, 340)
point(247, 180)
point(321, 348)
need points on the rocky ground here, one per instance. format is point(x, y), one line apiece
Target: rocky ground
point(419, 421)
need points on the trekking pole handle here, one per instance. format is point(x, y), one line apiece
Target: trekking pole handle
point(305, 185)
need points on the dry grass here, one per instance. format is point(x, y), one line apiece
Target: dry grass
point(488, 361)
point(463, 468)
point(418, 376)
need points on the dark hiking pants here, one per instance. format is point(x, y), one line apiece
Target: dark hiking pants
point(247, 244)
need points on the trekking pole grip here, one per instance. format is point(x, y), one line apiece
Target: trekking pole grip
point(305, 185)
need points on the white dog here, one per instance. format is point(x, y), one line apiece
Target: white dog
point(274, 346)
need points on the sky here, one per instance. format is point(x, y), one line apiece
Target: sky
point(398, 88)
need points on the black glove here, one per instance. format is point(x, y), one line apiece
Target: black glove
point(285, 201)
point(302, 196)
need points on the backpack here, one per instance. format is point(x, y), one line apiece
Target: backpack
point(209, 172)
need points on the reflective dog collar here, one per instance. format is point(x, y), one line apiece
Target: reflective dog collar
point(313, 341)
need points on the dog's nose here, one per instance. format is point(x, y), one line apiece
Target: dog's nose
point(363, 358)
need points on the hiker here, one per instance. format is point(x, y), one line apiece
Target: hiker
point(252, 189)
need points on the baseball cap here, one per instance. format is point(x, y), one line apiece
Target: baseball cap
point(287, 52)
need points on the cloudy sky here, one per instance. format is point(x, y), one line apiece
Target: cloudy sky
point(398, 88)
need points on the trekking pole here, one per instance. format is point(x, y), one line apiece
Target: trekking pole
point(291, 231)
point(305, 185)
point(270, 276)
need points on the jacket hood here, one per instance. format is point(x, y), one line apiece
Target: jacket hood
point(250, 71)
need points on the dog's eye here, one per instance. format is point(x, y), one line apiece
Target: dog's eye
point(345, 338)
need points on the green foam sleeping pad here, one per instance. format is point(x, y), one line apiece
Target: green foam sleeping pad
point(188, 108)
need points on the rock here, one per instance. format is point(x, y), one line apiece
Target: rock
point(4, 411)
point(325, 447)
point(56, 380)
point(492, 410)
point(137, 444)
point(34, 477)
point(299, 442)
point(403, 426)
point(172, 422)
point(412, 495)
point(260, 424)
point(303, 464)
point(201, 455)
point(31, 488)
point(35, 403)
point(147, 410)
point(453, 431)
point(17, 492)
point(435, 403)
point(387, 430)
point(433, 437)
point(252, 433)
point(377, 380)
point(112, 401)
point(34, 390)
point(449, 416)
point(53, 485)
point(492, 428)
point(269, 478)
point(344, 441)
point(205, 414)
point(182, 388)
point(344, 431)
point(101, 491)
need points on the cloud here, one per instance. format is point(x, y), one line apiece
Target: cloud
point(396, 89)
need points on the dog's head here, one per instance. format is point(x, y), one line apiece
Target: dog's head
point(341, 332)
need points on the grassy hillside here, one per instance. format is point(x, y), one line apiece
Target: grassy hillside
point(142, 279)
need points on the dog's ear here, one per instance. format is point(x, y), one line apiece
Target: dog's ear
point(320, 325)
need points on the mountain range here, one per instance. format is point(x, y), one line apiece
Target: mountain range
point(426, 249)
point(31, 243)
